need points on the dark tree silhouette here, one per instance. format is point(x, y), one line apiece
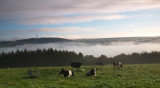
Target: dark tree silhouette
point(51, 57)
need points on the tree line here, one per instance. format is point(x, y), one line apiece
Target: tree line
point(53, 57)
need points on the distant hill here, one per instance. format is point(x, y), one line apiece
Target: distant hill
point(32, 41)
point(136, 40)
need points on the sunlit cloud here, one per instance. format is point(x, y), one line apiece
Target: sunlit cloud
point(52, 11)
point(149, 15)
point(131, 25)
point(61, 19)
point(50, 30)
point(64, 29)
point(56, 7)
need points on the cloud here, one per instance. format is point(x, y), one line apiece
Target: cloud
point(110, 50)
point(54, 29)
point(52, 11)
point(65, 29)
point(61, 19)
point(107, 33)
point(149, 15)
point(51, 7)
point(131, 25)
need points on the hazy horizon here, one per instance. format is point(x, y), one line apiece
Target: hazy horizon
point(80, 38)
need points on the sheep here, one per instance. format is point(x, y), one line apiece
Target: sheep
point(117, 64)
point(91, 72)
point(66, 73)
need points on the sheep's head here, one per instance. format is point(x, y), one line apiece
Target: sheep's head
point(62, 70)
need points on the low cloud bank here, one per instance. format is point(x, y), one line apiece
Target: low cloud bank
point(87, 49)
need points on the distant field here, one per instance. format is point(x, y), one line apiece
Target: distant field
point(131, 76)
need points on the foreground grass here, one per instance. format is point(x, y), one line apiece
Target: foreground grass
point(131, 76)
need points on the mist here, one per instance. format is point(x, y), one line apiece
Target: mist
point(111, 50)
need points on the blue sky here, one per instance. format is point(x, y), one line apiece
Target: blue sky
point(74, 19)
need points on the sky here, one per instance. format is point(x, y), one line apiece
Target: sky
point(75, 19)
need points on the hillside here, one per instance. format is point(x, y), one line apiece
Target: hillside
point(121, 39)
point(32, 41)
point(136, 40)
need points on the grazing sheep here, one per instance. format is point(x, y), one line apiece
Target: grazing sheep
point(117, 64)
point(66, 73)
point(92, 72)
point(76, 64)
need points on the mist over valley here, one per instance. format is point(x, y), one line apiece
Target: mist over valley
point(96, 47)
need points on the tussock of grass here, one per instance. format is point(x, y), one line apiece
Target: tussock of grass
point(131, 76)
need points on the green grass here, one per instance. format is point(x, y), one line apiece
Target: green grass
point(131, 76)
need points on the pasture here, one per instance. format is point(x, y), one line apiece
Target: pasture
point(131, 76)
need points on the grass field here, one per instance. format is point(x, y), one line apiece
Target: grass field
point(131, 76)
